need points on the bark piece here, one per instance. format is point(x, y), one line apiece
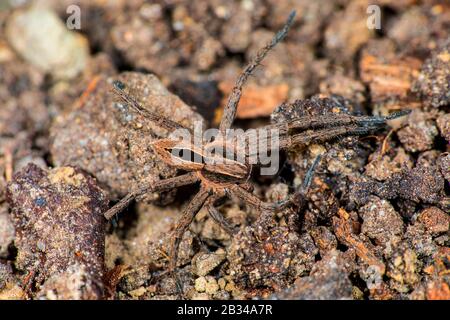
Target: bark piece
point(60, 230)
point(433, 83)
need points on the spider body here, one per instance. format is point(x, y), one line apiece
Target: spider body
point(197, 159)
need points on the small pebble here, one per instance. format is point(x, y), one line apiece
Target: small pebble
point(435, 220)
point(138, 292)
point(43, 40)
point(200, 284)
point(200, 296)
point(206, 262)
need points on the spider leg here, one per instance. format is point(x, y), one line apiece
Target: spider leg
point(325, 134)
point(321, 128)
point(162, 121)
point(297, 198)
point(233, 101)
point(158, 186)
point(336, 120)
point(186, 219)
point(218, 217)
point(250, 199)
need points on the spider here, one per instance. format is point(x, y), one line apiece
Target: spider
point(219, 175)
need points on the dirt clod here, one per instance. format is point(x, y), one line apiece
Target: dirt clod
point(60, 231)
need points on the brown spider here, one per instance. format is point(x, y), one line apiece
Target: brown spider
point(219, 175)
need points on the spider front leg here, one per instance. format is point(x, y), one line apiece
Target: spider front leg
point(160, 186)
point(186, 219)
point(340, 120)
point(230, 109)
point(118, 88)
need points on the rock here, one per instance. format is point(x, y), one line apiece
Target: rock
point(135, 278)
point(444, 164)
point(381, 221)
point(272, 256)
point(420, 239)
point(344, 229)
point(6, 275)
point(12, 292)
point(348, 31)
point(437, 286)
point(75, 283)
point(211, 286)
point(142, 43)
point(433, 83)
point(58, 216)
point(237, 30)
point(403, 269)
point(149, 242)
point(200, 284)
point(10, 288)
point(328, 280)
point(344, 86)
point(200, 296)
point(383, 167)
point(7, 231)
point(435, 220)
point(43, 40)
point(312, 17)
point(411, 28)
point(22, 98)
point(103, 125)
point(138, 292)
point(421, 184)
point(324, 239)
point(204, 263)
point(443, 123)
point(438, 290)
point(419, 133)
point(277, 192)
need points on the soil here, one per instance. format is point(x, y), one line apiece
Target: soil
point(376, 222)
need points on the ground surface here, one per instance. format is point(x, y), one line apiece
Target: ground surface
point(376, 224)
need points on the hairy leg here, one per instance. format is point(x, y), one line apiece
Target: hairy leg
point(158, 186)
point(338, 120)
point(321, 128)
point(233, 101)
point(322, 135)
point(296, 199)
point(189, 213)
point(162, 121)
point(218, 217)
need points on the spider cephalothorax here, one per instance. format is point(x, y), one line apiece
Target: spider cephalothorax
point(219, 173)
